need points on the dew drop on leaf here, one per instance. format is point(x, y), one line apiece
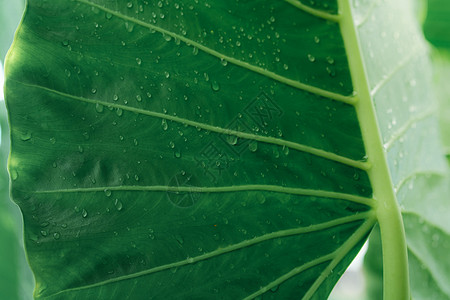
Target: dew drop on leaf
point(164, 124)
point(215, 86)
point(14, 175)
point(118, 204)
point(99, 107)
point(253, 146)
point(84, 213)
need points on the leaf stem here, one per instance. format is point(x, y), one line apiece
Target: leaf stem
point(395, 258)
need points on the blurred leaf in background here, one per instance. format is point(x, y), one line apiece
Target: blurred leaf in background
point(16, 280)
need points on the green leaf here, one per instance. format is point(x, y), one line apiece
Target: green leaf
point(228, 149)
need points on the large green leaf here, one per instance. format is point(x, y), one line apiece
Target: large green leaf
point(423, 188)
point(232, 149)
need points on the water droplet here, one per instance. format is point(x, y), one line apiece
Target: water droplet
point(195, 50)
point(56, 235)
point(118, 204)
point(215, 86)
point(99, 107)
point(177, 153)
point(253, 146)
point(119, 112)
point(14, 175)
point(166, 74)
point(44, 232)
point(138, 61)
point(115, 97)
point(223, 62)
point(135, 141)
point(52, 140)
point(129, 26)
point(138, 98)
point(330, 60)
point(67, 72)
point(285, 150)
point(285, 66)
point(108, 16)
point(107, 192)
point(311, 58)
point(232, 139)
point(26, 136)
point(164, 124)
point(136, 177)
point(80, 149)
point(130, 4)
point(356, 176)
point(84, 213)
point(94, 90)
point(316, 39)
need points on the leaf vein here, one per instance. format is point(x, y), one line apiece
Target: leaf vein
point(234, 247)
point(223, 189)
point(363, 165)
point(291, 82)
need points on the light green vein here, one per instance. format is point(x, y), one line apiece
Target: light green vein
point(234, 247)
point(264, 139)
point(335, 257)
point(340, 254)
point(402, 130)
point(394, 71)
point(314, 12)
point(359, 23)
point(417, 173)
point(223, 189)
point(291, 274)
point(294, 83)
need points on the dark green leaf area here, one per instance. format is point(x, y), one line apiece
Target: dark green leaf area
point(153, 160)
point(247, 240)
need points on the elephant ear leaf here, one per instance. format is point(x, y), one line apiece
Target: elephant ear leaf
point(203, 150)
point(419, 171)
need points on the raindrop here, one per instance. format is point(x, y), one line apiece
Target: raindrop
point(215, 86)
point(115, 97)
point(232, 139)
point(177, 153)
point(164, 124)
point(311, 58)
point(14, 175)
point(118, 204)
point(84, 213)
point(138, 61)
point(108, 16)
point(253, 146)
point(94, 90)
point(138, 98)
point(99, 107)
point(56, 235)
point(26, 136)
point(107, 192)
point(119, 112)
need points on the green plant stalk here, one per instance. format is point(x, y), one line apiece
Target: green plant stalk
point(395, 256)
